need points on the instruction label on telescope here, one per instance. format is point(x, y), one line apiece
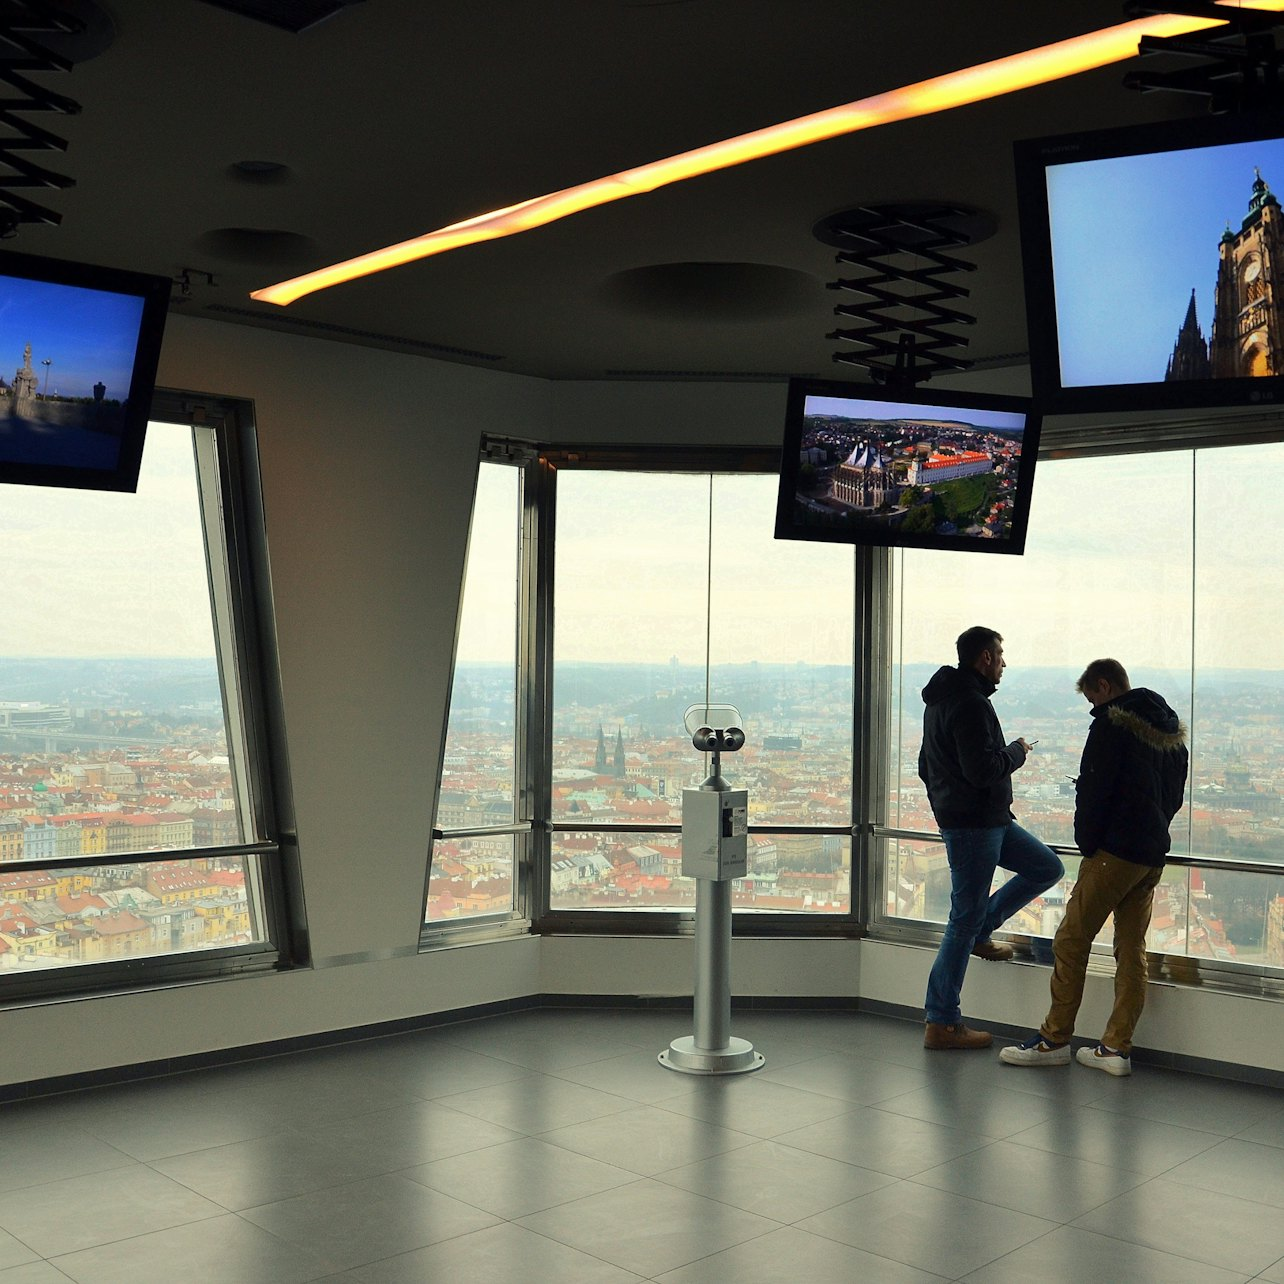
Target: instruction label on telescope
point(715, 833)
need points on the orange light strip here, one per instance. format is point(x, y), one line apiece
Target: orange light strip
point(955, 89)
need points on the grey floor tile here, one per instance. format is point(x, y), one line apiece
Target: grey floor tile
point(368, 1220)
point(752, 1104)
point(538, 1044)
point(1240, 1168)
point(1268, 1131)
point(536, 1103)
point(1187, 1222)
point(1104, 1137)
point(225, 1249)
point(776, 1181)
point(519, 1177)
point(648, 1228)
point(499, 1255)
point(647, 1139)
point(148, 1132)
point(437, 1069)
point(13, 1252)
point(82, 1212)
point(1192, 1101)
point(855, 1079)
point(1273, 1274)
point(637, 1075)
point(30, 1156)
point(265, 1169)
point(1037, 1182)
point(932, 1230)
point(36, 1273)
point(893, 1144)
point(409, 1135)
point(791, 1254)
point(1070, 1254)
point(995, 1112)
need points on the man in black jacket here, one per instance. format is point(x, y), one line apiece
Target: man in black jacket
point(1131, 782)
point(967, 768)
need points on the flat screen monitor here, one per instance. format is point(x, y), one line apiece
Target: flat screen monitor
point(79, 346)
point(909, 467)
point(1154, 265)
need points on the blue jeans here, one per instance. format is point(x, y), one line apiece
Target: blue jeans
point(974, 854)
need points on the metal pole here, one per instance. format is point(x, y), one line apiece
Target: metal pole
point(713, 971)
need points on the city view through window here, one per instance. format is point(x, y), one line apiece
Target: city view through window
point(1146, 558)
point(113, 740)
point(1150, 560)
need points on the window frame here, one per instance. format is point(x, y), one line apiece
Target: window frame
point(239, 581)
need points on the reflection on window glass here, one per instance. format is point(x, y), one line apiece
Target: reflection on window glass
point(113, 736)
point(472, 877)
point(671, 590)
point(1141, 558)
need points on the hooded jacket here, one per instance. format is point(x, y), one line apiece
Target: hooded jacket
point(1132, 778)
point(964, 761)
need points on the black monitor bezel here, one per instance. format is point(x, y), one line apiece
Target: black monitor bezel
point(802, 388)
point(154, 291)
point(1033, 157)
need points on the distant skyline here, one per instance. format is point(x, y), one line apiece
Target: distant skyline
point(1131, 238)
point(88, 336)
point(861, 408)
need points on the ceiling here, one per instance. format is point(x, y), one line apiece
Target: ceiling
point(395, 117)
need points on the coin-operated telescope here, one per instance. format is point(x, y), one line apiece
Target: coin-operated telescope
point(715, 850)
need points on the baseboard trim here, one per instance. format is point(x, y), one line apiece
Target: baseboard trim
point(58, 1084)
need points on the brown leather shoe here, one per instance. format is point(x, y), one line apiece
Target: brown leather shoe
point(994, 951)
point(941, 1037)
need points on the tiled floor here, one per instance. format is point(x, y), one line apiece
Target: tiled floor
point(552, 1146)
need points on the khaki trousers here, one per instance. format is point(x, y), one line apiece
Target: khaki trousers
point(1106, 885)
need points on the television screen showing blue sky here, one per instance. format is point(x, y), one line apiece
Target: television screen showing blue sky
point(1132, 236)
point(86, 336)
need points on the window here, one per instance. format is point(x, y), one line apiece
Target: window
point(132, 724)
point(475, 846)
point(671, 591)
point(1156, 560)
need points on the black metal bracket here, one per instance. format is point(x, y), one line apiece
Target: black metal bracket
point(903, 308)
point(22, 23)
point(1238, 66)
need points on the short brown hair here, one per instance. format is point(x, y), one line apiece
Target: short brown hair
point(1110, 671)
point(972, 642)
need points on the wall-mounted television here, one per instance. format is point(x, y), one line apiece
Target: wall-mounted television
point(1154, 264)
point(906, 467)
point(79, 346)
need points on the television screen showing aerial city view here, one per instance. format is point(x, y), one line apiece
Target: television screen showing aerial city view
point(1167, 265)
point(893, 473)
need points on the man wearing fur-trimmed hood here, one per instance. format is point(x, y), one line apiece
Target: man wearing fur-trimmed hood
point(1132, 779)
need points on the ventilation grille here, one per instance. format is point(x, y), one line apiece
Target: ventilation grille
point(348, 332)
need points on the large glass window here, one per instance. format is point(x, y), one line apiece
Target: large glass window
point(1159, 561)
point(670, 591)
point(472, 873)
point(123, 723)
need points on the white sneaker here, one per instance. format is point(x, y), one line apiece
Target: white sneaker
point(1101, 1058)
point(1035, 1051)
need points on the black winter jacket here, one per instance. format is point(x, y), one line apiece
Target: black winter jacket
point(1132, 778)
point(964, 761)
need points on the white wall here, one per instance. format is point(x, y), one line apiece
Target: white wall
point(368, 462)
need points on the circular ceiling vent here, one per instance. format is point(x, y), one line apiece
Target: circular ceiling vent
point(259, 247)
point(715, 292)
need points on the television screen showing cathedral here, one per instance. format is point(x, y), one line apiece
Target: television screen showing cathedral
point(890, 468)
point(70, 354)
point(1169, 266)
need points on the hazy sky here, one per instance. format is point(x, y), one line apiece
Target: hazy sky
point(91, 573)
point(1131, 237)
point(1107, 571)
point(860, 408)
point(86, 335)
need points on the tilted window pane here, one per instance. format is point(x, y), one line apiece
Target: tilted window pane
point(474, 877)
point(114, 735)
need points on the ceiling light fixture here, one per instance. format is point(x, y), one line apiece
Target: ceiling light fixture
point(955, 89)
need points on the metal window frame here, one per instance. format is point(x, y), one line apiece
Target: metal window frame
point(239, 580)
